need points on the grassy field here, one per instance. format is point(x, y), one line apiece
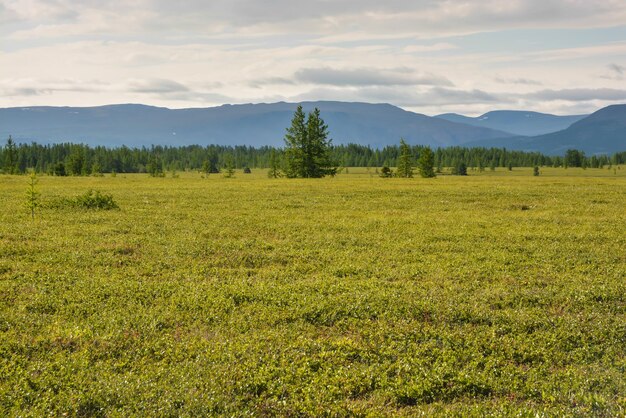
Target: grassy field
point(499, 293)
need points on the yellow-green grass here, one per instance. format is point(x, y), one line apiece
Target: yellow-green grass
point(498, 293)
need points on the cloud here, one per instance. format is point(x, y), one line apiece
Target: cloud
point(39, 87)
point(521, 80)
point(157, 86)
point(401, 96)
point(362, 19)
point(175, 91)
point(367, 77)
point(441, 46)
point(408, 53)
point(20, 91)
point(578, 95)
point(440, 95)
point(7, 15)
point(619, 69)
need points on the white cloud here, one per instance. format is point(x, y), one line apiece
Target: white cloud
point(580, 94)
point(368, 77)
point(199, 53)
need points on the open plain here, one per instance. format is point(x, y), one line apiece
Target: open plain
point(498, 293)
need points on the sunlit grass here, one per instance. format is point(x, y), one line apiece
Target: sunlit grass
point(495, 293)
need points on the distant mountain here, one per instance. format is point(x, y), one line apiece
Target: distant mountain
point(377, 125)
point(517, 122)
point(603, 132)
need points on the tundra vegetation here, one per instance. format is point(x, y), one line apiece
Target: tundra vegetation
point(495, 293)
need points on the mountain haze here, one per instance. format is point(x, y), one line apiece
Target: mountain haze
point(377, 125)
point(602, 132)
point(517, 122)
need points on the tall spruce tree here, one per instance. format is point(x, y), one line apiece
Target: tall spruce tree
point(405, 161)
point(295, 140)
point(426, 163)
point(10, 157)
point(319, 163)
point(308, 147)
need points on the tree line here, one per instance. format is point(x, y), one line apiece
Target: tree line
point(80, 159)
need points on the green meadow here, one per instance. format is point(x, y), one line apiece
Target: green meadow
point(499, 293)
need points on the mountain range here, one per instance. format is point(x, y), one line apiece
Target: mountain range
point(602, 132)
point(250, 124)
point(517, 122)
point(377, 125)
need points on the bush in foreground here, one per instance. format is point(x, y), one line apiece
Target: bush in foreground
point(91, 200)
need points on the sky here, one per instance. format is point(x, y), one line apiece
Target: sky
point(427, 56)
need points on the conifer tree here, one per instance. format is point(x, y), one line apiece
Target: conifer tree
point(10, 157)
point(318, 161)
point(426, 163)
point(274, 171)
point(155, 167)
point(32, 195)
point(308, 147)
point(76, 164)
point(206, 167)
point(405, 161)
point(229, 166)
point(460, 169)
point(295, 139)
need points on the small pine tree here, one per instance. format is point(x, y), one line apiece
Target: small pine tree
point(155, 167)
point(206, 167)
point(426, 163)
point(96, 170)
point(460, 169)
point(274, 171)
point(405, 161)
point(10, 157)
point(76, 164)
point(229, 167)
point(32, 195)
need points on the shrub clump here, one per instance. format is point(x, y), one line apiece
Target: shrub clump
point(91, 200)
point(95, 200)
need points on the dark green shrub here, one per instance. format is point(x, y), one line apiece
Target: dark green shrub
point(386, 172)
point(95, 200)
point(92, 200)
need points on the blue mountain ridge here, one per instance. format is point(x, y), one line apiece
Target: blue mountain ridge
point(377, 125)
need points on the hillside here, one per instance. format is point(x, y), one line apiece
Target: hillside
point(603, 132)
point(377, 125)
point(521, 123)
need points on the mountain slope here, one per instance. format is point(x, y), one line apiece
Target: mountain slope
point(603, 132)
point(521, 123)
point(251, 124)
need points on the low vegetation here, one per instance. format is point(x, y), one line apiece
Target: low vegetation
point(90, 200)
point(494, 293)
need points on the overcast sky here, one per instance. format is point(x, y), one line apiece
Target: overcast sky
point(465, 56)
